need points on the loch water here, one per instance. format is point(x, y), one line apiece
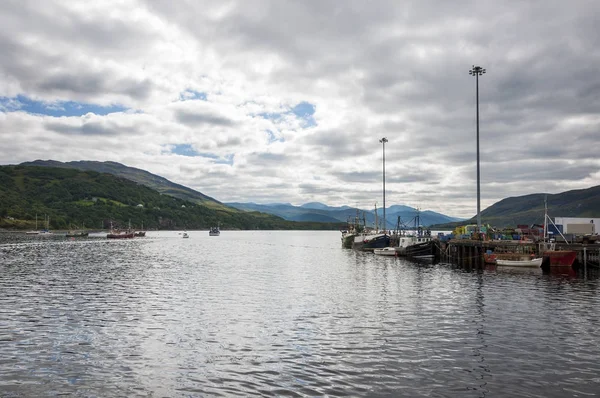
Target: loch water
point(284, 313)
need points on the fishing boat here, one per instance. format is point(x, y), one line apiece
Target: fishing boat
point(116, 233)
point(547, 248)
point(422, 250)
point(534, 262)
point(417, 243)
point(214, 231)
point(185, 235)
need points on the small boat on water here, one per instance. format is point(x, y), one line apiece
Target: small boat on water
point(185, 235)
point(116, 233)
point(534, 262)
point(386, 251)
point(214, 231)
point(141, 233)
point(74, 234)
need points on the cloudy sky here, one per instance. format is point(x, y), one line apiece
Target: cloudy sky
point(286, 101)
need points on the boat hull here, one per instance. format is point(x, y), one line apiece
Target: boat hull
point(371, 242)
point(420, 250)
point(560, 258)
point(534, 262)
point(120, 236)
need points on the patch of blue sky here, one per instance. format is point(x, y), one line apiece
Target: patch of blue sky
point(271, 137)
point(189, 95)
point(184, 150)
point(56, 108)
point(188, 150)
point(304, 111)
point(227, 159)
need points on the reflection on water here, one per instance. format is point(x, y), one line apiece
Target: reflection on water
point(283, 313)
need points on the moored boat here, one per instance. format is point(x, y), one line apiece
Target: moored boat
point(116, 234)
point(120, 234)
point(560, 258)
point(423, 249)
point(371, 241)
point(74, 234)
point(386, 251)
point(534, 262)
point(547, 248)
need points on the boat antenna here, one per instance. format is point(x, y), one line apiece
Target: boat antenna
point(545, 218)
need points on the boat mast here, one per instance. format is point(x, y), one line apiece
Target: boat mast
point(545, 218)
point(376, 220)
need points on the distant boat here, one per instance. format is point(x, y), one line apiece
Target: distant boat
point(46, 232)
point(74, 234)
point(116, 233)
point(185, 235)
point(214, 231)
point(35, 232)
point(77, 233)
point(534, 262)
point(140, 233)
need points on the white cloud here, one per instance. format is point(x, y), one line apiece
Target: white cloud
point(371, 69)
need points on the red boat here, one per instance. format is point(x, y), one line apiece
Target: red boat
point(120, 235)
point(560, 258)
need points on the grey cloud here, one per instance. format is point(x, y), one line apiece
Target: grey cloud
point(87, 128)
point(197, 118)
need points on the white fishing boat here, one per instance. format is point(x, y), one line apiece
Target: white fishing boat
point(534, 262)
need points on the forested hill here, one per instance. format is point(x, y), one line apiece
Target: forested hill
point(529, 209)
point(71, 196)
point(140, 176)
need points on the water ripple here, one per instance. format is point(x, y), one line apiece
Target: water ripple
point(271, 313)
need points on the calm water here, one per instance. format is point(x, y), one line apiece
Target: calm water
point(283, 313)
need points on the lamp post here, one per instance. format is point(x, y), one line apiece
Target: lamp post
point(383, 141)
point(477, 71)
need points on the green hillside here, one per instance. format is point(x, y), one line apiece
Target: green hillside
point(529, 209)
point(143, 177)
point(70, 196)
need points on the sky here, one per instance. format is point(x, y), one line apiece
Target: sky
point(286, 101)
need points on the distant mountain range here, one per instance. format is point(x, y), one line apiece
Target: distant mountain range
point(527, 209)
point(315, 211)
point(308, 212)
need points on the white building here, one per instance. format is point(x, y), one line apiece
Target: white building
point(578, 225)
